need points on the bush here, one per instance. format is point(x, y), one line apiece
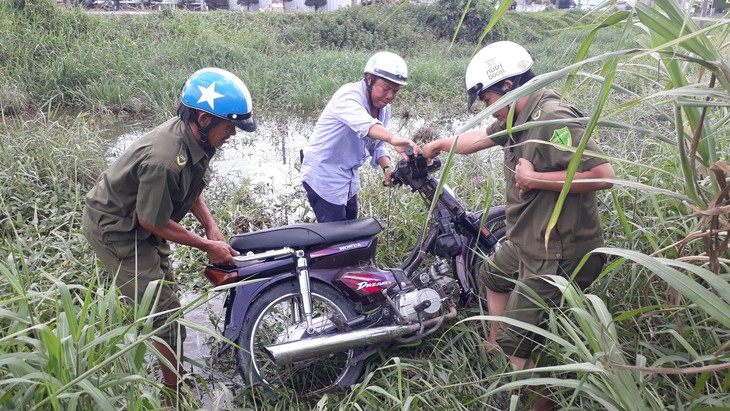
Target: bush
point(444, 17)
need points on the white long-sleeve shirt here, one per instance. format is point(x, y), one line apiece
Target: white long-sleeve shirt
point(339, 145)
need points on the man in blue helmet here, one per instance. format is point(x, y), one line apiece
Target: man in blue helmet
point(134, 211)
point(353, 127)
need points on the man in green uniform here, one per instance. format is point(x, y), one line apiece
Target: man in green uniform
point(534, 176)
point(134, 211)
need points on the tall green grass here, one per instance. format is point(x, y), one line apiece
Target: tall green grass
point(64, 341)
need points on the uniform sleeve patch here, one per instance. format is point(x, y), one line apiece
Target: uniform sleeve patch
point(562, 137)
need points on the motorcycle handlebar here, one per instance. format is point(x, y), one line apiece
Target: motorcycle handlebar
point(414, 170)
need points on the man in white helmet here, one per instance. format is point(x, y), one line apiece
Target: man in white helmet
point(534, 175)
point(353, 127)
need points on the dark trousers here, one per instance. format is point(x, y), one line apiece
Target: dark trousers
point(326, 211)
point(510, 271)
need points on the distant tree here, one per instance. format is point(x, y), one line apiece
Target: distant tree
point(248, 3)
point(287, 1)
point(315, 3)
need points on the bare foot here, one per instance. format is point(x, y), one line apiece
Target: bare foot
point(491, 347)
point(543, 402)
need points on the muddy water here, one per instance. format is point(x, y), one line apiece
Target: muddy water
point(266, 156)
point(220, 376)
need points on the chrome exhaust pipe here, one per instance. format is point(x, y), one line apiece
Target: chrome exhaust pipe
point(308, 348)
point(287, 353)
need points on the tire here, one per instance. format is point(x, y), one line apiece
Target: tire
point(266, 322)
point(498, 227)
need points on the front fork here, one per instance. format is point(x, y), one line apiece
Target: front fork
point(304, 290)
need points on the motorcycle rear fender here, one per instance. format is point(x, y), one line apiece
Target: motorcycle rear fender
point(240, 300)
point(244, 295)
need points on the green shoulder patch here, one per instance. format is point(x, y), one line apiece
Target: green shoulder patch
point(562, 136)
point(182, 156)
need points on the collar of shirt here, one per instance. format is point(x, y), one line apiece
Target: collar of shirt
point(530, 106)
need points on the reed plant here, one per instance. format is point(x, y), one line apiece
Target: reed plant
point(678, 75)
point(64, 342)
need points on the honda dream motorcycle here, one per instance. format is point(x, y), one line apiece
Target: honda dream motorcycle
point(313, 304)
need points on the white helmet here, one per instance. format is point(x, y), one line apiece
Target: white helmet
point(494, 63)
point(389, 66)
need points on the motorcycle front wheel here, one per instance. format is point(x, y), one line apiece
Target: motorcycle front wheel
point(277, 316)
point(498, 228)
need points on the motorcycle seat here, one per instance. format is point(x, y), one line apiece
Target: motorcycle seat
point(305, 235)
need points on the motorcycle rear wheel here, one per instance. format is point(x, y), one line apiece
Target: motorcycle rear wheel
point(277, 316)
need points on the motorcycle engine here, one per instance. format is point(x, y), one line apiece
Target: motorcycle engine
point(425, 300)
point(432, 290)
point(438, 279)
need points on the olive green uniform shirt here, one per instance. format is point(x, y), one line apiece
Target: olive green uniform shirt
point(578, 229)
point(158, 178)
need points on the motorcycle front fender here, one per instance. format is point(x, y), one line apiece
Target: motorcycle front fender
point(462, 275)
point(461, 261)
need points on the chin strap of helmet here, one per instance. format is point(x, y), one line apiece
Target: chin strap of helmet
point(369, 87)
point(203, 131)
point(497, 90)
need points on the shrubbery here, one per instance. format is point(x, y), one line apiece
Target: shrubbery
point(133, 64)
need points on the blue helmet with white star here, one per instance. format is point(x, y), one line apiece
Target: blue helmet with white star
point(222, 94)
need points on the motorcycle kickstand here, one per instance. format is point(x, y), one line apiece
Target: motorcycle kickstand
point(362, 356)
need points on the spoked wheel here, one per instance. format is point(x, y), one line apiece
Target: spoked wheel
point(276, 317)
point(498, 228)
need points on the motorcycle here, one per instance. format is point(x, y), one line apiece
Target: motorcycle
point(313, 304)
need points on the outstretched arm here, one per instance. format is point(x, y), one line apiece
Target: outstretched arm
point(400, 145)
point(469, 142)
